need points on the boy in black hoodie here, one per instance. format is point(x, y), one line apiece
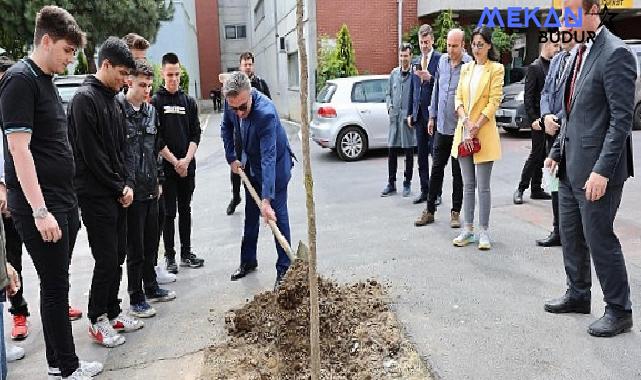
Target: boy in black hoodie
point(104, 186)
point(180, 131)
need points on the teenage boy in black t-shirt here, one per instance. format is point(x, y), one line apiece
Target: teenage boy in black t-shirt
point(39, 178)
point(180, 131)
point(104, 186)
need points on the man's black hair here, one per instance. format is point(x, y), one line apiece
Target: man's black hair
point(115, 50)
point(170, 58)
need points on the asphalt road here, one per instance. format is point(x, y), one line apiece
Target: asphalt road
point(473, 315)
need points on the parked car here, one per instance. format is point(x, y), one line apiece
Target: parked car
point(67, 86)
point(511, 115)
point(350, 115)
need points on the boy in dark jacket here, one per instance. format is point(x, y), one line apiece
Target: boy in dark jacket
point(180, 131)
point(142, 216)
point(104, 186)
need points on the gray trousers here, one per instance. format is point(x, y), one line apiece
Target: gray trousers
point(476, 176)
point(587, 228)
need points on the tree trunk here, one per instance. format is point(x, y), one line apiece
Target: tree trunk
point(90, 52)
point(314, 323)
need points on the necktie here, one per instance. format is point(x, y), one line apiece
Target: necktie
point(577, 68)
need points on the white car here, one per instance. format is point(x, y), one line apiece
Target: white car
point(350, 115)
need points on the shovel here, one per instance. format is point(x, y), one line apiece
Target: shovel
point(302, 251)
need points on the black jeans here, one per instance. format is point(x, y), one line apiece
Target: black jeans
point(106, 222)
point(424, 145)
point(142, 248)
point(442, 152)
point(179, 191)
point(14, 257)
point(532, 169)
point(392, 164)
point(51, 261)
point(235, 185)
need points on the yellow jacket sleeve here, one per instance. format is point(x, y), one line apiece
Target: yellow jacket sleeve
point(496, 90)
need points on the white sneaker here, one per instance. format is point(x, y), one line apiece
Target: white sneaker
point(77, 375)
point(126, 323)
point(13, 353)
point(164, 277)
point(464, 239)
point(88, 369)
point(104, 334)
point(484, 241)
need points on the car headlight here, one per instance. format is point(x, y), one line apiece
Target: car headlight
point(521, 96)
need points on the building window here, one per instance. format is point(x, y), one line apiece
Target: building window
point(235, 32)
point(292, 69)
point(259, 12)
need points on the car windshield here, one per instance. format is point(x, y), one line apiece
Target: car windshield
point(67, 91)
point(326, 93)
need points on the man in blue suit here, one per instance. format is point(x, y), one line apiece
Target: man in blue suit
point(420, 98)
point(251, 119)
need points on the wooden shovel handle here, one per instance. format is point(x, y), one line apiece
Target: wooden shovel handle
point(279, 236)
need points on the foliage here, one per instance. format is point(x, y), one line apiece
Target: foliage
point(337, 61)
point(411, 37)
point(82, 67)
point(502, 41)
point(443, 24)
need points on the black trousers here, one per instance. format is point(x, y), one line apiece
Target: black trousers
point(14, 257)
point(587, 229)
point(142, 248)
point(442, 153)
point(51, 261)
point(178, 191)
point(424, 147)
point(235, 184)
point(533, 167)
point(106, 222)
point(392, 164)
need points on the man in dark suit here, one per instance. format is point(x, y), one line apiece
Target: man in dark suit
point(534, 81)
point(267, 159)
point(594, 156)
point(419, 102)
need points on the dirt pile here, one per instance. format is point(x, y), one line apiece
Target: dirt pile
point(360, 336)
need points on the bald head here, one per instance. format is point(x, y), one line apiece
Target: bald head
point(455, 44)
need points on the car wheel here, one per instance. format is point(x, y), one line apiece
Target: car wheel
point(351, 144)
point(636, 124)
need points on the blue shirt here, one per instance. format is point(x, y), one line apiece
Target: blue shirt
point(442, 105)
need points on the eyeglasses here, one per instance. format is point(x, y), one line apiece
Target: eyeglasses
point(479, 45)
point(242, 107)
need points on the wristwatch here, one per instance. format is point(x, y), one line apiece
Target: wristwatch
point(40, 213)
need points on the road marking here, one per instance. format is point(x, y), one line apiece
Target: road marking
point(206, 123)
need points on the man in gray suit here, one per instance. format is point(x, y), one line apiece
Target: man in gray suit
point(594, 156)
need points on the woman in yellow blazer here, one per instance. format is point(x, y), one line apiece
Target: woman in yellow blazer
point(478, 95)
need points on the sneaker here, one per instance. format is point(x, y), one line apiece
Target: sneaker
point(87, 370)
point(484, 241)
point(124, 324)
point(164, 277)
point(104, 334)
point(19, 330)
point(455, 219)
point(171, 265)
point(142, 310)
point(425, 219)
point(407, 191)
point(192, 261)
point(161, 295)
point(74, 314)
point(464, 239)
point(390, 189)
point(14, 353)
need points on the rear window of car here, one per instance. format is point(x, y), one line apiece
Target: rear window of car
point(326, 93)
point(370, 91)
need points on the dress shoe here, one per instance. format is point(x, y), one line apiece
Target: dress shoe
point(567, 304)
point(438, 201)
point(390, 189)
point(235, 201)
point(242, 271)
point(421, 198)
point(425, 219)
point(553, 240)
point(455, 219)
point(518, 197)
point(540, 195)
point(611, 324)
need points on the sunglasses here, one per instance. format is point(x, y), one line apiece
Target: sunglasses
point(479, 45)
point(242, 107)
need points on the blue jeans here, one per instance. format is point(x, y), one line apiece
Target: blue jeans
point(3, 350)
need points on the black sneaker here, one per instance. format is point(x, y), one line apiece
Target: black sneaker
point(192, 261)
point(171, 265)
point(160, 295)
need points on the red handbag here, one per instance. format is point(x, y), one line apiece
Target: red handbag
point(463, 151)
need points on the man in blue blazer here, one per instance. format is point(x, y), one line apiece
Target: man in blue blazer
point(420, 98)
point(266, 157)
